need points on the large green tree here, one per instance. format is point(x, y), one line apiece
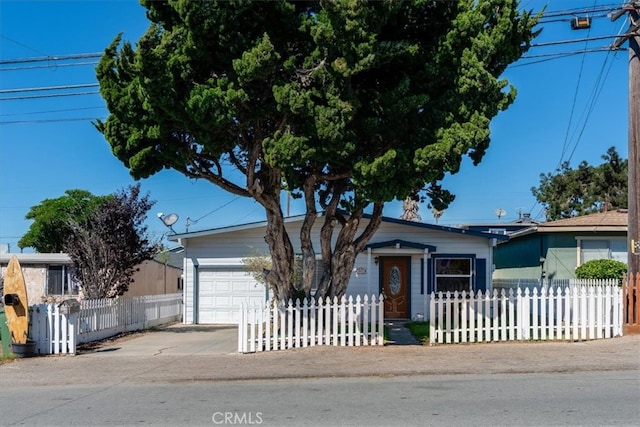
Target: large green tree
point(587, 189)
point(51, 217)
point(348, 104)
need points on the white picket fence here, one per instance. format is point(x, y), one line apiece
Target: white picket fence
point(345, 322)
point(575, 313)
point(58, 333)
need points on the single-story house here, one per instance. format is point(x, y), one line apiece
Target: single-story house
point(48, 277)
point(554, 249)
point(523, 222)
point(406, 260)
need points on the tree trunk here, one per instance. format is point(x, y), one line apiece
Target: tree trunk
point(279, 278)
point(339, 266)
point(306, 244)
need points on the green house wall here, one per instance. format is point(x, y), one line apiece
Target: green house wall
point(520, 258)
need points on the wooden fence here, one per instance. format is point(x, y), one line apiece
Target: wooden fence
point(575, 313)
point(345, 322)
point(57, 330)
point(631, 303)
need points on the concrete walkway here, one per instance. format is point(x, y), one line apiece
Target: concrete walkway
point(399, 334)
point(177, 340)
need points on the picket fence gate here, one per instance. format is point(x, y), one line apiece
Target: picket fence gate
point(346, 322)
point(575, 313)
point(57, 330)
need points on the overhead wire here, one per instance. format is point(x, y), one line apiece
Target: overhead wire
point(46, 88)
point(594, 96)
point(573, 106)
point(63, 110)
point(53, 66)
point(50, 58)
point(28, 122)
point(52, 95)
point(21, 44)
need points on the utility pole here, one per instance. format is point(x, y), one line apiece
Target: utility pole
point(633, 36)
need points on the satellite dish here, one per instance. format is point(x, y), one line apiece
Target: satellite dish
point(500, 213)
point(170, 219)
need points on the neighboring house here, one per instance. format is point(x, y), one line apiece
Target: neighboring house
point(48, 276)
point(554, 249)
point(406, 260)
point(45, 274)
point(155, 278)
point(522, 223)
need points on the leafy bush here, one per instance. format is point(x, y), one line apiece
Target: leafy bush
point(602, 269)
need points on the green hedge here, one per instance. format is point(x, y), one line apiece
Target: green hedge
point(602, 269)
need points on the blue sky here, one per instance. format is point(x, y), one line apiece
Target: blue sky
point(573, 108)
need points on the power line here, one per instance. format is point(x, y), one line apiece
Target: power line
point(28, 122)
point(582, 11)
point(42, 88)
point(21, 44)
point(585, 39)
point(573, 108)
point(556, 55)
point(50, 58)
point(53, 95)
point(54, 66)
point(597, 91)
point(64, 110)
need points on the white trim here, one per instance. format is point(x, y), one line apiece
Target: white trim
point(391, 251)
point(37, 258)
point(218, 262)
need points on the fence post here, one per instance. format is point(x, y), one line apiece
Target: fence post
point(357, 316)
point(381, 319)
point(365, 321)
point(320, 331)
point(241, 327)
point(313, 310)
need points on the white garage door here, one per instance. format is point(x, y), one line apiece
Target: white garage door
point(221, 291)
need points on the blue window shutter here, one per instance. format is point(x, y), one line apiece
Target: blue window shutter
point(481, 275)
point(429, 275)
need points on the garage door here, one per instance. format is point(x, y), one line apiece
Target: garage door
point(221, 292)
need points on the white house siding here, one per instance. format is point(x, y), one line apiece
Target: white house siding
point(445, 243)
point(228, 248)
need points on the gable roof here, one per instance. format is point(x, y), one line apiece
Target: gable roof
point(618, 218)
point(298, 218)
point(612, 221)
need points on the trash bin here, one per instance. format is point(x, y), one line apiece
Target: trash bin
point(5, 336)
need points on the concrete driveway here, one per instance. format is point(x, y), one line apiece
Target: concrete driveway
point(173, 340)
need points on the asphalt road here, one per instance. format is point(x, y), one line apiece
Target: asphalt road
point(183, 376)
point(595, 398)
